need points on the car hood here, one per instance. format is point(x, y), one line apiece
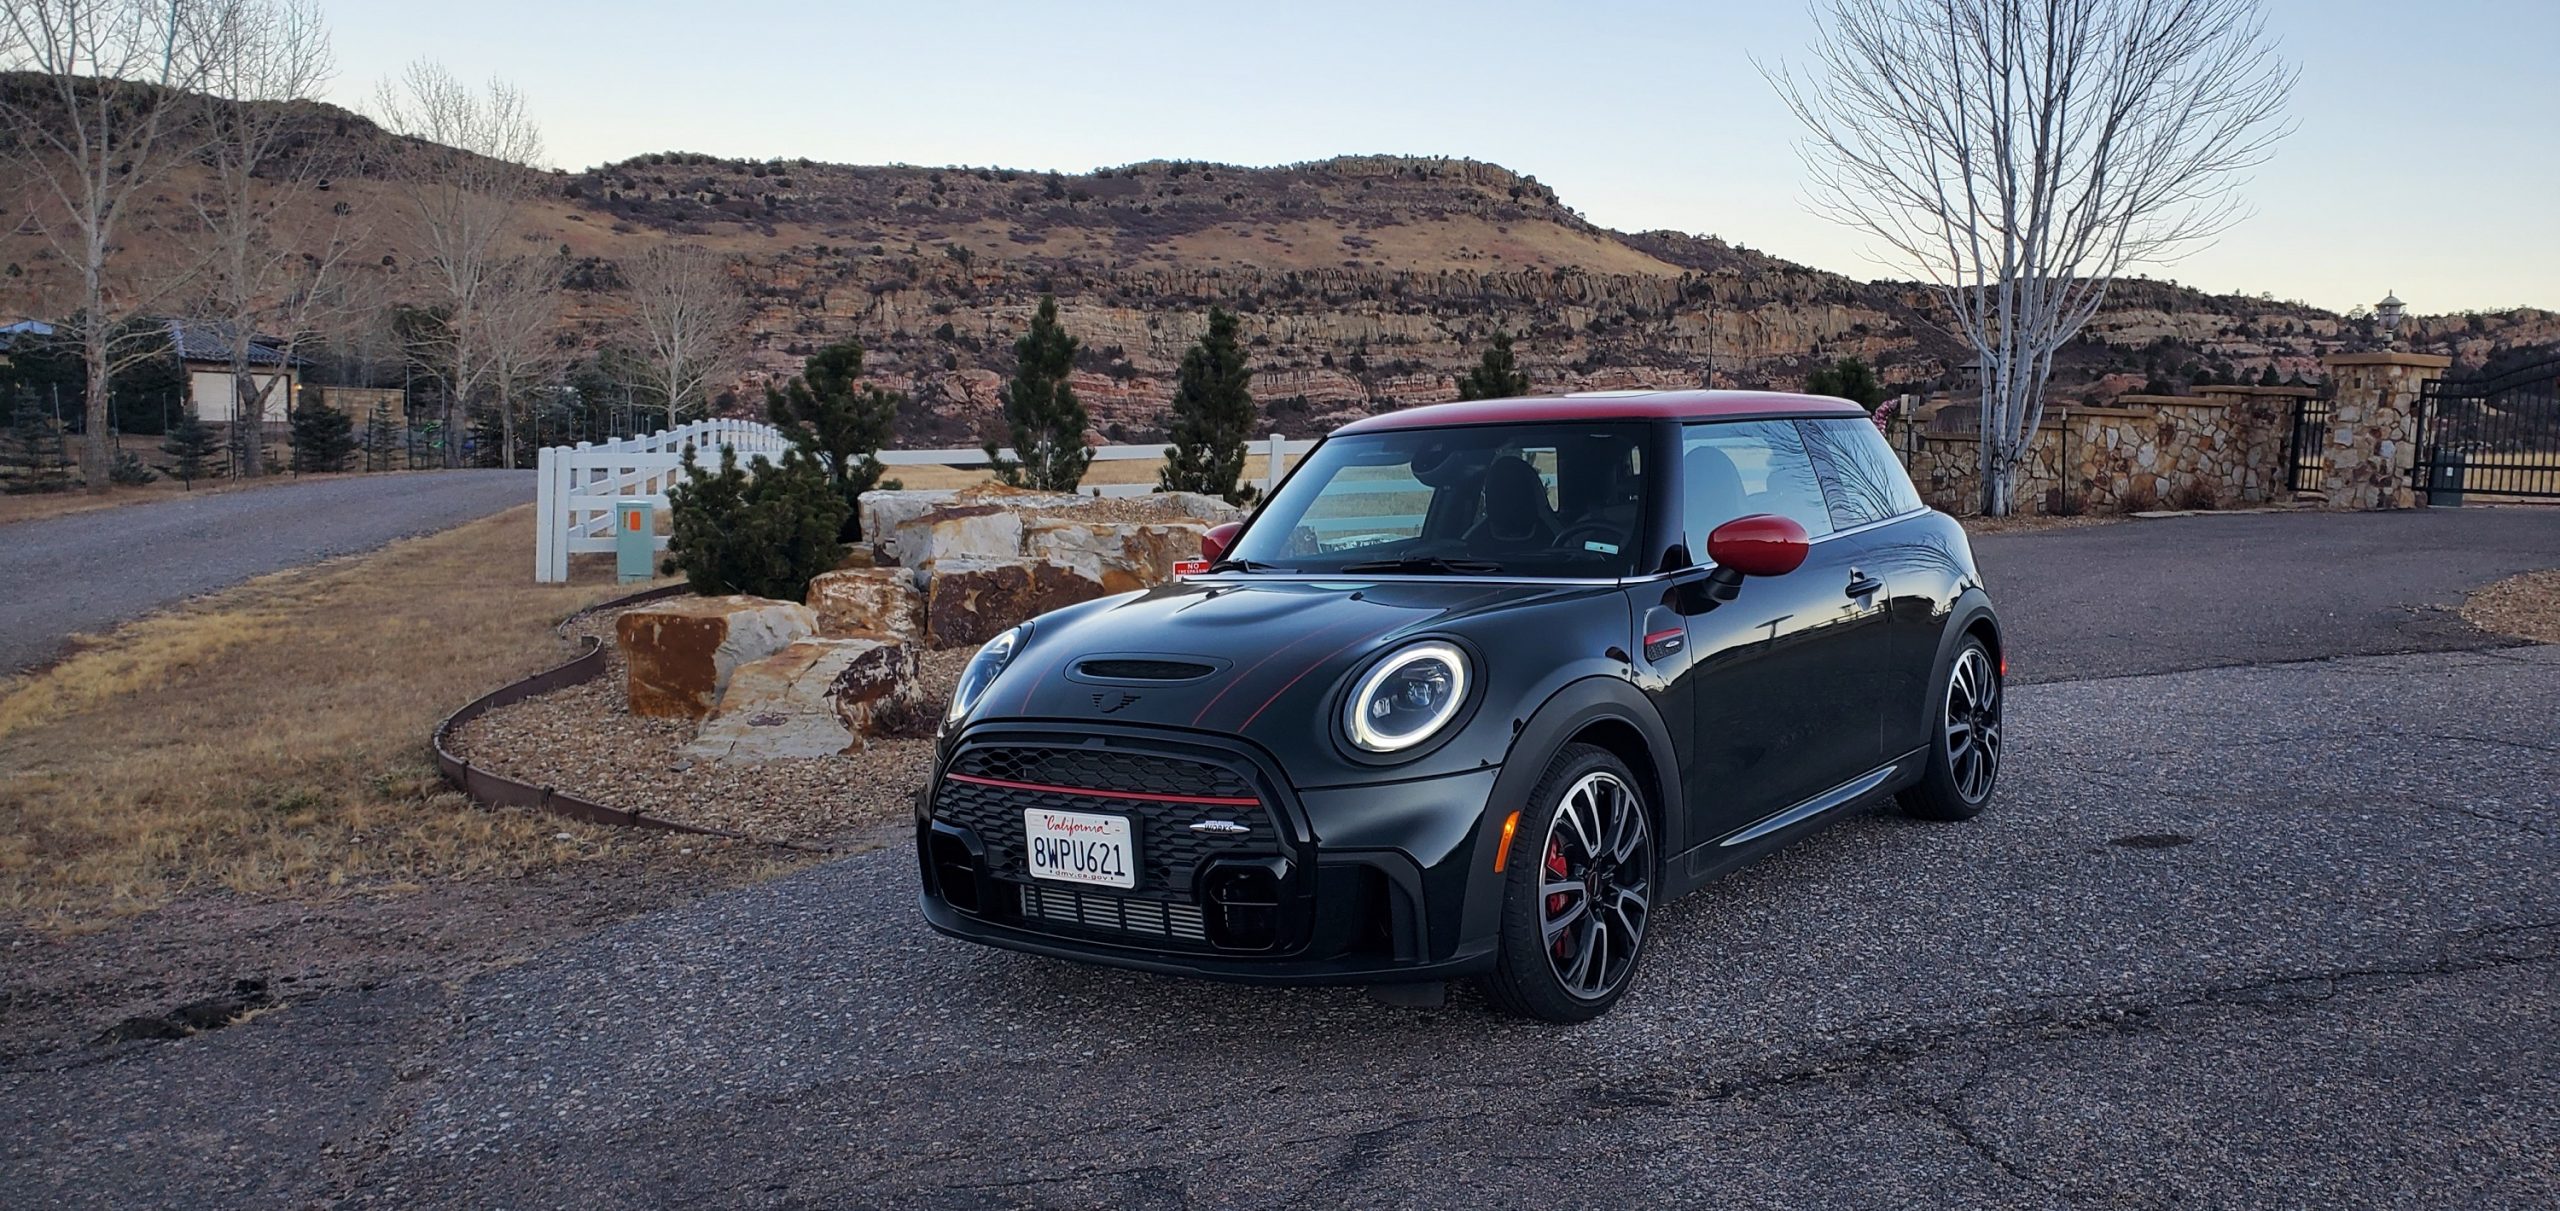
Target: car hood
point(1274, 649)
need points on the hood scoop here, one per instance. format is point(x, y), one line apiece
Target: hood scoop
point(1138, 669)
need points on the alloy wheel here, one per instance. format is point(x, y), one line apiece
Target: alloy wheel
point(1973, 725)
point(1595, 891)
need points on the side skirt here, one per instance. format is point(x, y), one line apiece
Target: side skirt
point(1773, 832)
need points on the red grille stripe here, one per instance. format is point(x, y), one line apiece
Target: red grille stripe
point(1143, 796)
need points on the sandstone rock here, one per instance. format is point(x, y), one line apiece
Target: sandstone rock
point(1120, 556)
point(678, 654)
point(960, 530)
point(815, 698)
point(876, 600)
point(881, 513)
point(970, 600)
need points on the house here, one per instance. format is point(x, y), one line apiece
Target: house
point(205, 351)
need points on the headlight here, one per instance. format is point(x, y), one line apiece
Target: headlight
point(1406, 698)
point(981, 672)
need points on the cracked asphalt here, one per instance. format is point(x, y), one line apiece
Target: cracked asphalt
point(86, 571)
point(2282, 931)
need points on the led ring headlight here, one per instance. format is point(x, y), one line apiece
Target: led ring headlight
point(1407, 698)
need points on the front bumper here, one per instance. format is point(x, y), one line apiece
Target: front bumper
point(1380, 883)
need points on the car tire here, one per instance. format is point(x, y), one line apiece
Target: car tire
point(1965, 739)
point(1561, 960)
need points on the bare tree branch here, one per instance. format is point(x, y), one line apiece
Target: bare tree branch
point(687, 318)
point(2016, 156)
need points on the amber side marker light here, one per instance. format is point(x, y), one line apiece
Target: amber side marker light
point(1510, 825)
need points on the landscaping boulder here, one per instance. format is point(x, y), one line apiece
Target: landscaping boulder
point(680, 652)
point(955, 531)
point(971, 599)
point(881, 600)
point(882, 512)
point(1119, 556)
point(815, 698)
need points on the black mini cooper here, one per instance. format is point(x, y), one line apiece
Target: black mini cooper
point(1474, 692)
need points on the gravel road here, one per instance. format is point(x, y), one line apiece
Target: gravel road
point(78, 573)
point(2282, 931)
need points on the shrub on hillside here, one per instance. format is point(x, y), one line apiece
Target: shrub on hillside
point(765, 534)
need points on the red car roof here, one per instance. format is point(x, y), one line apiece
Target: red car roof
point(1644, 405)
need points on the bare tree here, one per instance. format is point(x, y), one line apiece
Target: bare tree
point(94, 125)
point(520, 310)
point(464, 178)
point(687, 315)
point(277, 239)
point(2017, 155)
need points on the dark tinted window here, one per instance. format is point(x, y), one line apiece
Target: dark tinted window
point(1523, 500)
point(1861, 478)
point(1738, 468)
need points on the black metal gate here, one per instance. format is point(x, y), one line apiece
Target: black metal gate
point(2302, 449)
point(2491, 434)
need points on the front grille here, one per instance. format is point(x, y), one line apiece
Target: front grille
point(1178, 921)
point(1169, 852)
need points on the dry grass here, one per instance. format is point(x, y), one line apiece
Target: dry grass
point(2526, 606)
point(272, 739)
point(2024, 523)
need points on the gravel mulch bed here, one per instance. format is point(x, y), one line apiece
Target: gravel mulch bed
point(583, 741)
point(2526, 606)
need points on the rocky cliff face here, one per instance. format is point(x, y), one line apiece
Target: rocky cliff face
point(1365, 283)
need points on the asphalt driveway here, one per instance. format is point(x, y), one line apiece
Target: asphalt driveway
point(65, 575)
point(2277, 926)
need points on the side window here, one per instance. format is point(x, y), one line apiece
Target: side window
point(1738, 468)
point(1861, 478)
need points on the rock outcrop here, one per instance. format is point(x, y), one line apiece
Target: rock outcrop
point(680, 653)
point(814, 698)
point(972, 599)
point(855, 601)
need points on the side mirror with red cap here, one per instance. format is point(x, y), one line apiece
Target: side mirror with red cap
point(1763, 544)
point(1213, 547)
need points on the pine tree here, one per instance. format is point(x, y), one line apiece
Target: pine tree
point(766, 534)
point(1849, 378)
point(1498, 376)
point(2271, 378)
point(191, 446)
point(1046, 420)
point(841, 424)
point(35, 451)
point(323, 437)
point(1212, 416)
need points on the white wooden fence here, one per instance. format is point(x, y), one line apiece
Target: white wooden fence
point(574, 499)
point(574, 504)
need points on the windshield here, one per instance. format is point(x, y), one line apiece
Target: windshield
point(1513, 500)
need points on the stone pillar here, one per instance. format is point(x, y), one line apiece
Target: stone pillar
point(2373, 428)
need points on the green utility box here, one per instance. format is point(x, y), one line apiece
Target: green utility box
point(2444, 483)
point(635, 540)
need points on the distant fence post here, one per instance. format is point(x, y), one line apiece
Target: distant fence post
point(1271, 465)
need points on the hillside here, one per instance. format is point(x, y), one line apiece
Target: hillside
point(1366, 282)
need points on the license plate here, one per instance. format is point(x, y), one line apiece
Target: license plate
point(1079, 847)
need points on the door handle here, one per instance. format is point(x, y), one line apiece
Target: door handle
point(1863, 585)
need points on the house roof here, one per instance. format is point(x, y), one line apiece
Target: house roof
point(211, 342)
point(1608, 406)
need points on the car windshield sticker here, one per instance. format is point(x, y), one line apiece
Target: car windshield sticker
point(1605, 548)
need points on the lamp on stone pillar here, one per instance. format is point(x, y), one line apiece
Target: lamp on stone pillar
point(2386, 318)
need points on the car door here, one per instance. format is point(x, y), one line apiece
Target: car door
point(1781, 706)
point(1873, 509)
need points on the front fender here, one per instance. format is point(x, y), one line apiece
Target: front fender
point(1605, 701)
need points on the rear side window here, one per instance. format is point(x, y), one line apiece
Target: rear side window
point(1861, 479)
point(1738, 468)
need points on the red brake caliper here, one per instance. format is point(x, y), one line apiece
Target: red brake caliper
point(1556, 900)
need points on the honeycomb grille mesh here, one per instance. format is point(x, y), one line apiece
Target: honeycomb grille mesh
point(1168, 850)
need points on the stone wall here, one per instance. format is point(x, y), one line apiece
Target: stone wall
point(2371, 446)
point(2223, 448)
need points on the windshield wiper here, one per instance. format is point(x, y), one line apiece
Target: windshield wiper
point(1424, 563)
point(1243, 565)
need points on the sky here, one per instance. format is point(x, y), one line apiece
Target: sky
point(2426, 159)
